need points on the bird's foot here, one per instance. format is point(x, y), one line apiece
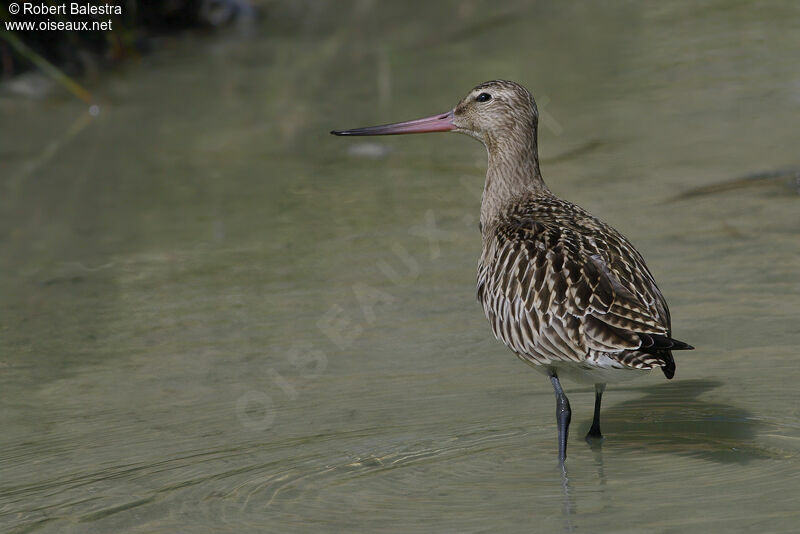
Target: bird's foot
point(594, 436)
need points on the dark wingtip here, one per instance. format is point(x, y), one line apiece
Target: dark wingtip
point(654, 343)
point(680, 345)
point(338, 132)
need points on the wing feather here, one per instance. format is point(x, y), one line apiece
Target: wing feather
point(558, 284)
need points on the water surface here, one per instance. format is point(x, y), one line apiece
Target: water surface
point(218, 318)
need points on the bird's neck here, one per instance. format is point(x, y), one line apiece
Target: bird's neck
point(513, 172)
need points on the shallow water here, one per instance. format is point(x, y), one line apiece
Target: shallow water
point(218, 318)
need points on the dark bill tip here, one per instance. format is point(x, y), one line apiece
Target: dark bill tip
point(443, 122)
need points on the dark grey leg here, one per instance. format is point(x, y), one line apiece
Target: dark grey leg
point(563, 416)
point(594, 432)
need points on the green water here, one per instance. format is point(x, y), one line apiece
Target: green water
point(216, 317)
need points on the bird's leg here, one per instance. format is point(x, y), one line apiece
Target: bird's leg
point(563, 416)
point(594, 432)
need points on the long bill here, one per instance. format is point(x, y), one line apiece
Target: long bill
point(435, 123)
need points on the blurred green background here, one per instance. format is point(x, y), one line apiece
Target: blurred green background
point(216, 317)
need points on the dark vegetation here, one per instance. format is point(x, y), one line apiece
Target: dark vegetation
point(133, 33)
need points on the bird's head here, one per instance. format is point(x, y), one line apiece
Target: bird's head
point(493, 112)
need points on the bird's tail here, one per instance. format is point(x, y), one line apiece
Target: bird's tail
point(662, 346)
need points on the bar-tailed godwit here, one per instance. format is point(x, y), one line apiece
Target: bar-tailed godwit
point(566, 292)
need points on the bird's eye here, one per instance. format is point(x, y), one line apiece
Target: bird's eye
point(483, 97)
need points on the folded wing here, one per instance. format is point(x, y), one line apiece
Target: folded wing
point(570, 292)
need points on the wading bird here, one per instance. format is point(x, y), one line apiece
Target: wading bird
point(567, 293)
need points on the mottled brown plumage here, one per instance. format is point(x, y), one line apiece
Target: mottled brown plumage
point(558, 285)
point(564, 291)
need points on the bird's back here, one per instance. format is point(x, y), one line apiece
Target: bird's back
point(561, 287)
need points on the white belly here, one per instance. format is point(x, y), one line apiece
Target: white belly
point(584, 373)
